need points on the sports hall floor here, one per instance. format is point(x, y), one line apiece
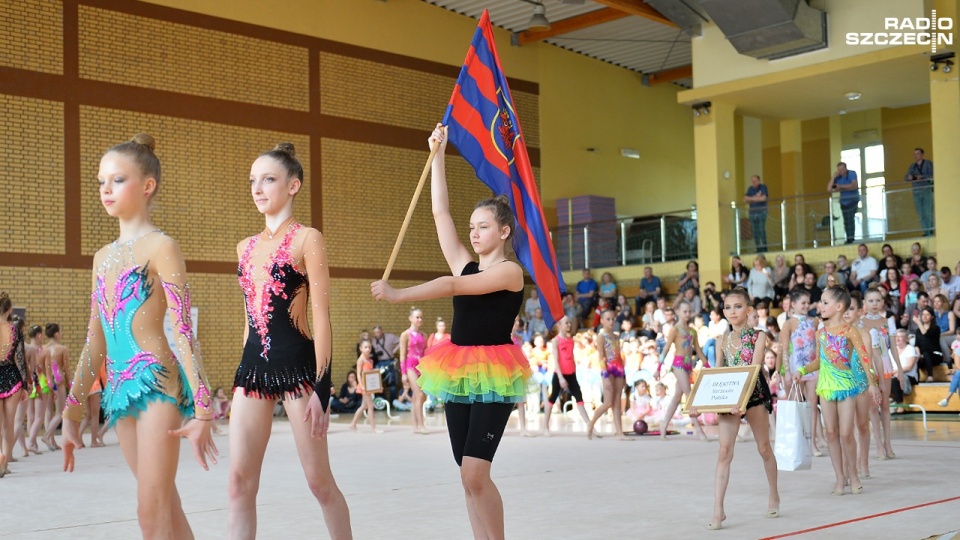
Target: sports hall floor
point(405, 486)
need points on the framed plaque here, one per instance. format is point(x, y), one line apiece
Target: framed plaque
point(718, 390)
point(372, 382)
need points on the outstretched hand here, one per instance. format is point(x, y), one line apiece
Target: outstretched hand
point(71, 441)
point(198, 433)
point(318, 418)
point(382, 290)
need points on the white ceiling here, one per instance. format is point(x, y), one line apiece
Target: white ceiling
point(632, 42)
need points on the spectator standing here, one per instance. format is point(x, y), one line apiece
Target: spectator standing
point(690, 279)
point(738, 274)
point(843, 269)
point(920, 174)
point(830, 267)
point(586, 294)
point(757, 196)
point(531, 304)
point(385, 347)
point(649, 288)
point(608, 289)
point(760, 281)
point(864, 269)
point(845, 182)
point(887, 251)
point(781, 277)
point(930, 268)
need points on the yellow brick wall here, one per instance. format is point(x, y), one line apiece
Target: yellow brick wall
point(352, 309)
point(366, 191)
point(181, 58)
point(32, 33)
point(31, 155)
point(204, 199)
point(376, 92)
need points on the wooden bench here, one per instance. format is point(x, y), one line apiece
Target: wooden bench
point(928, 394)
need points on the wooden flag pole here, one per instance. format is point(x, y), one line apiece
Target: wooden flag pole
point(413, 204)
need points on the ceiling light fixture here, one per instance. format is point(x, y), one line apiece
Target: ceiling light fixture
point(538, 22)
point(852, 96)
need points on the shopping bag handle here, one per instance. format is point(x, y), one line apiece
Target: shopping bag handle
point(796, 389)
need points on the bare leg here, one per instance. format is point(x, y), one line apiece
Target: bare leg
point(153, 455)
point(758, 419)
point(846, 411)
point(547, 411)
point(885, 419)
point(249, 434)
point(487, 515)
point(418, 399)
point(19, 433)
point(359, 414)
point(522, 416)
point(316, 467)
point(38, 410)
point(616, 406)
point(729, 426)
point(8, 410)
point(608, 397)
point(59, 397)
point(831, 419)
point(865, 410)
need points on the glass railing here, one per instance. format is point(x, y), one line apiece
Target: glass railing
point(636, 240)
point(884, 212)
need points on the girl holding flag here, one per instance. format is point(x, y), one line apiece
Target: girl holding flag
point(480, 373)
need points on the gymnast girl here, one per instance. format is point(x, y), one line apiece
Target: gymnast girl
point(480, 373)
point(846, 371)
point(283, 272)
point(149, 391)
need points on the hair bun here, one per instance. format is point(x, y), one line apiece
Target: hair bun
point(4, 295)
point(502, 199)
point(286, 148)
point(145, 139)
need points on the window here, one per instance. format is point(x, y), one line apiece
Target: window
point(867, 162)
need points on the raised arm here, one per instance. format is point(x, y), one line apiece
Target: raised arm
point(453, 250)
point(92, 356)
point(173, 277)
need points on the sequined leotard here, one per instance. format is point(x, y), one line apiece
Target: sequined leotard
point(13, 365)
point(614, 363)
point(416, 345)
point(686, 362)
point(279, 356)
point(135, 282)
point(845, 366)
point(738, 351)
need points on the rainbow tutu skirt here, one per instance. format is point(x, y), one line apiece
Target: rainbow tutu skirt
point(475, 373)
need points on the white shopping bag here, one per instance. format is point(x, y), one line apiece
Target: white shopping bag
point(792, 448)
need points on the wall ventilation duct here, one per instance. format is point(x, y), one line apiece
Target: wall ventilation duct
point(769, 29)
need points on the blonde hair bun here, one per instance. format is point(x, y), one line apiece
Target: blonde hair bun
point(145, 139)
point(286, 148)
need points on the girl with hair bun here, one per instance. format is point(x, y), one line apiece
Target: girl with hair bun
point(149, 391)
point(13, 378)
point(480, 373)
point(55, 363)
point(412, 346)
point(25, 410)
point(846, 371)
point(282, 272)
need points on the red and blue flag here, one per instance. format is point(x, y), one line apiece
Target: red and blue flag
point(482, 123)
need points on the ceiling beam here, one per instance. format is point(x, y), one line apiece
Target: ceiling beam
point(638, 8)
point(565, 26)
point(668, 75)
